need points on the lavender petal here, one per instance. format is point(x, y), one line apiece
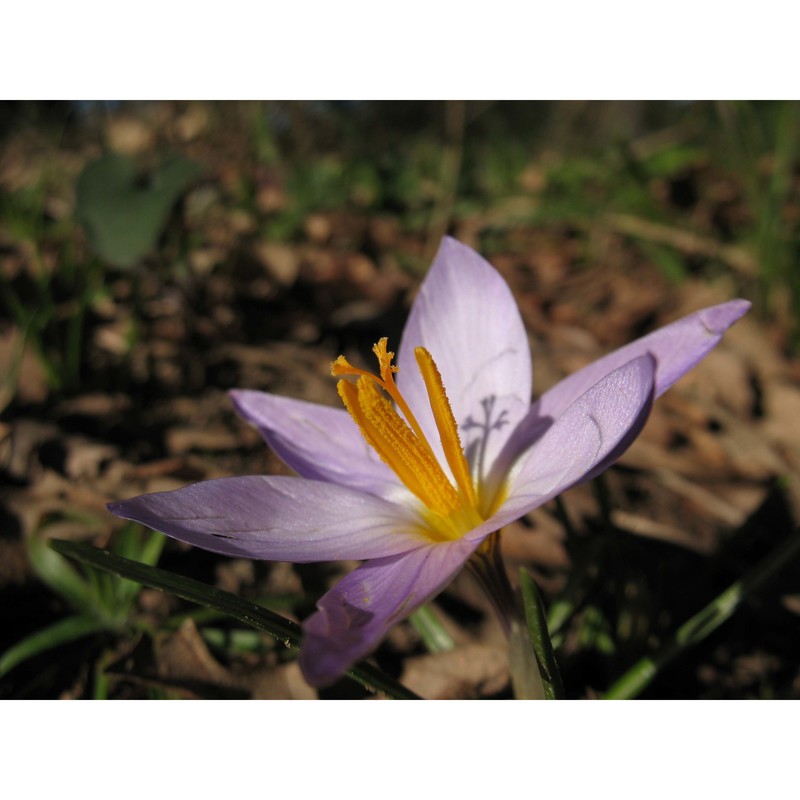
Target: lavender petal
point(600, 424)
point(316, 441)
point(467, 318)
point(676, 347)
point(278, 519)
point(356, 614)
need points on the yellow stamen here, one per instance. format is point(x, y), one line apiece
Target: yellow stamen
point(397, 445)
point(386, 381)
point(401, 443)
point(446, 424)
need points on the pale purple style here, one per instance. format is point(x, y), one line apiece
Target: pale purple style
point(348, 504)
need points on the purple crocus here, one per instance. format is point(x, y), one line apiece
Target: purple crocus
point(418, 474)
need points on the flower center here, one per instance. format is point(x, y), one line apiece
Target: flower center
point(452, 510)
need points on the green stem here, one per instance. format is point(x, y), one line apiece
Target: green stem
point(427, 624)
point(486, 565)
point(534, 675)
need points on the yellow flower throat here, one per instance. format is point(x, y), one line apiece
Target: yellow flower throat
point(451, 511)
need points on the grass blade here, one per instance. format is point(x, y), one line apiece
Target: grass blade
point(698, 627)
point(61, 632)
point(536, 618)
point(427, 624)
point(60, 575)
point(194, 591)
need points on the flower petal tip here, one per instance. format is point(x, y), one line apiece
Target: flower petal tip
point(450, 242)
point(117, 507)
point(134, 510)
point(332, 641)
point(238, 397)
point(452, 249)
point(717, 319)
point(316, 674)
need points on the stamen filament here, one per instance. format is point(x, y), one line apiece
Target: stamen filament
point(401, 442)
point(446, 424)
point(397, 445)
point(343, 367)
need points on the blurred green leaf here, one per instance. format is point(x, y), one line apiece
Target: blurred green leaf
point(427, 624)
point(673, 160)
point(140, 544)
point(227, 640)
point(61, 632)
point(59, 575)
point(102, 596)
point(256, 616)
point(123, 216)
point(670, 262)
point(595, 632)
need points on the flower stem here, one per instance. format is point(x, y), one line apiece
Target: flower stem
point(486, 565)
point(534, 674)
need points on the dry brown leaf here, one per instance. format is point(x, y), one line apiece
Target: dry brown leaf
point(21, 370)
point(540, 542)
point(283, 682)
point(184, 440)
point(184, 656)
point(129, 135)
point(468, 671)
point(722, 377)
point(781, 423)
point(281, 262)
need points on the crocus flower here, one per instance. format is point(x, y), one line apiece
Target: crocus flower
point(431, 457)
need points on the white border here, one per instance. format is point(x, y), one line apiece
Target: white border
point(422, 49)
point(396, 750)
